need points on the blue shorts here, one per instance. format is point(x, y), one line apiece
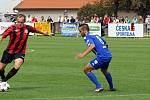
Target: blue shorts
point(100, 63)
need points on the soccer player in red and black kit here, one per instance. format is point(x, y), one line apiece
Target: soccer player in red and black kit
point(16, 48)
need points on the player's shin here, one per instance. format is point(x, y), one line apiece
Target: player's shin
point(109, 80)
point(93, 78)
point(2, 74)
point(10, 74)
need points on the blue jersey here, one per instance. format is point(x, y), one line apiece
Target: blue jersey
point(100, 49)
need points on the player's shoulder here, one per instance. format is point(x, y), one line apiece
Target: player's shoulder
point(12, 26)
point(87, 37)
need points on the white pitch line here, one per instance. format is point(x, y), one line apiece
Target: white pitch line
point(142, 79)
point(81, 97)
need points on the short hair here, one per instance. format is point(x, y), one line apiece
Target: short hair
point(85, 26)
point(22, 15)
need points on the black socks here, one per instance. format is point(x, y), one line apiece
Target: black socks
point(11, 73)
point(2, 74)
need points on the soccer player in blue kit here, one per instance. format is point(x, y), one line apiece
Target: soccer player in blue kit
point(98, 46)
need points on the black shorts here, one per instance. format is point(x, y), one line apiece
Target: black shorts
point(8, 58)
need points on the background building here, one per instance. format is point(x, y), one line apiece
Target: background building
point(53, 8)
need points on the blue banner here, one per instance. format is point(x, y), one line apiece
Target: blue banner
point(68, 29)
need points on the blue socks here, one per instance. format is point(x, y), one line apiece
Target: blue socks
point(109, 80)
point(93, 78)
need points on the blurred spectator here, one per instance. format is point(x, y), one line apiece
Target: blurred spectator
point(127, 20)
point(135, 19)
point(29, 19)
point(60, 19)
point(92, 19)
point(42, 19)
point(49, 19)
point(140, 20)
point(112, 18)
point(95, 18)
point(106, 20)
point(116, 20)
point(66, 19)
point(100, 20)
point(34, 19)
point(121, 20)
point(147, 21)
point(84, 20)
point(72, 19)
point(102, 26)
point(12, 18)
point(77, 20)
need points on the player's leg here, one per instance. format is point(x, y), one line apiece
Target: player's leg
point(6, 58)
point(108, 78)
point(2, 71)
point(104, 69)
point(14, 70)
point(18, 61)
point(88, 71)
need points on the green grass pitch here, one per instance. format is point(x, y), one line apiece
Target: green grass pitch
point(50, 71)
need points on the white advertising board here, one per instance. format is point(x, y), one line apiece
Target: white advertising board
point(4, 26)
point(95, 28)
point(125, 30)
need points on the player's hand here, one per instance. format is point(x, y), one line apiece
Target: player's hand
point(46, 34)
point(79, 56)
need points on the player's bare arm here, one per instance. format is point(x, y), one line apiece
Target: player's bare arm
point(40, 32)
point(86, 52)
point(1, 38)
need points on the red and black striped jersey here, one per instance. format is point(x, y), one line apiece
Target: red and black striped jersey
point(18, 38)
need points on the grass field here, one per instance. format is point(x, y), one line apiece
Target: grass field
point(50, 71)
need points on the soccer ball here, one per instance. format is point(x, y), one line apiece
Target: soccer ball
point(4, 86)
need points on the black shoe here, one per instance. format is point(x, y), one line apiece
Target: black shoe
point(113, 89)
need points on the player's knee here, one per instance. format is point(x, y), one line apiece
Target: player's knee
point(87, 69)
point(2, 66)
point(18, 63)
point(17, 66)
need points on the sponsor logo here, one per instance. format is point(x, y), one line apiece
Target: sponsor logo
point(128, 30)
